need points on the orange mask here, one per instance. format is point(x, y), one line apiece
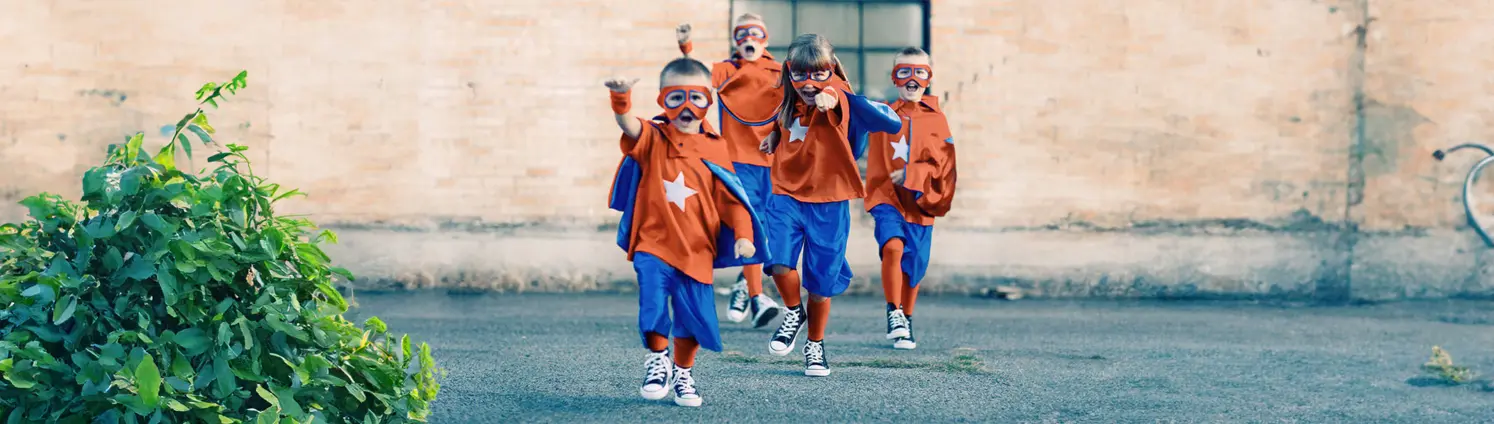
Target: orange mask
point(742, 34)
point(818, 79)
point(901, 74)
point(676, 99)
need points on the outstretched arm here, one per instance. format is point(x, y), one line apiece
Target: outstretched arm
point(621, 91)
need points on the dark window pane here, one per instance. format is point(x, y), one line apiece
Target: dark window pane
point(777, 14)
point(878, 79)
point(893, 25)
point(840, 21)
point(852, 64)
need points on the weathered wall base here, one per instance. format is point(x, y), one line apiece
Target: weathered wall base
point(1044, 263)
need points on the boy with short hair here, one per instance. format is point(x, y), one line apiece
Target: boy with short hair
point(684, 215)
point(749, 99)
point(910, 180)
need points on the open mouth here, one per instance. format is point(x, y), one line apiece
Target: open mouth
point(686, 117)
point(750, 50)
point(911, 86)
point(809, 92)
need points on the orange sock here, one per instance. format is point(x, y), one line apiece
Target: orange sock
point(788, 287)
point(684, 351)
point(910, 295)
point(892, 271)
point(819, 317)
point(657, 342)
point(754, 276)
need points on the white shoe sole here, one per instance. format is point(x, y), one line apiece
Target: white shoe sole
point(894, 334)
point(692, 402)
point(905, 345)
point(654, 395)
point(817, 373)
point(783, 352)
point(735, 316)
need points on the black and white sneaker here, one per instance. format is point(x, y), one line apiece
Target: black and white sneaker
point(815, 364)
point(906, 343)
point(656, 367)
point(737, 307)
point(788, 331)
point(764, 309)
point(684, 388)
point(897, 323)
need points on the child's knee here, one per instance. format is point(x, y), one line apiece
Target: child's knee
point(777, 270)
point(893, 247)
point(814, 298)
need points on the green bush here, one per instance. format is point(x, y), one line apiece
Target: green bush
point(172, 297)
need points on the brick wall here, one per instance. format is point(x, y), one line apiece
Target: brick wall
point(1274, 116)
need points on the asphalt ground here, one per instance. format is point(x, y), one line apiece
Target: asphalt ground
point(576, 358)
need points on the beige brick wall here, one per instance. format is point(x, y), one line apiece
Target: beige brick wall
point(1073, 114)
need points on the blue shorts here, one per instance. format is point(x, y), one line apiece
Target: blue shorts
point(916, 240)
point(820, 231)
point(662, 287)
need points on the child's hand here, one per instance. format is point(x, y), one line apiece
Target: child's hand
point(899, 176)
point(620, 85)
point(826, 99)
point(770, 143)
point(682, 33)
point(745, 249)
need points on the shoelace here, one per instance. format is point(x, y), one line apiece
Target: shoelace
point(739, 299)
point(683, 382)
point(895, 320)
point(790, 325)
point(815, 353)
point(658, 367)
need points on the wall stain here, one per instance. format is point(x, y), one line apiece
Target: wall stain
point(114, 96)
point(1387, 130)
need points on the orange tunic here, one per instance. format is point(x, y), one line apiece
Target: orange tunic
point(749, 95)
point(924, 146)
point(680, 204)
point(814, 162)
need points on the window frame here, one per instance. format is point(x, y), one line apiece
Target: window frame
point(861, 50)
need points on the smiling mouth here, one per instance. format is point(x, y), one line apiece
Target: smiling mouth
point(912, 85)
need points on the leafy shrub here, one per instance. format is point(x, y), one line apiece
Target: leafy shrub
point(172, 297)
point(1441, 367)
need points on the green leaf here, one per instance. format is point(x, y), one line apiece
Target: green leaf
point(223, 382)
point(139, 269)
point(153, 221)
point(125, 220)
point(167, 281)
point(113, 259)
point(218, 157)
point(167, 156)
point(61, 315)
point(194, 341)
point(202, 131)
point(132, 147)
point(94, 181)
point(148, 380)
point(181, 368)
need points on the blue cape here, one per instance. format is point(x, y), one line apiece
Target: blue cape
point(625, 193)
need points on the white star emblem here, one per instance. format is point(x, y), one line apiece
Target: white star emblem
point(796, 131)
point(900, 149)
point(676, 191)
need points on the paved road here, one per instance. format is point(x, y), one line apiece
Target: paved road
point(526, 358)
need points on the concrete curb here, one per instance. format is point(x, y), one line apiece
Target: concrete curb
point(1051, 264)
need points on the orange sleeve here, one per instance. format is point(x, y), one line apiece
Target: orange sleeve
point(638, 148)
point(720, 72)
point(933, 174)
point(838, 113)
point(733, 212)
